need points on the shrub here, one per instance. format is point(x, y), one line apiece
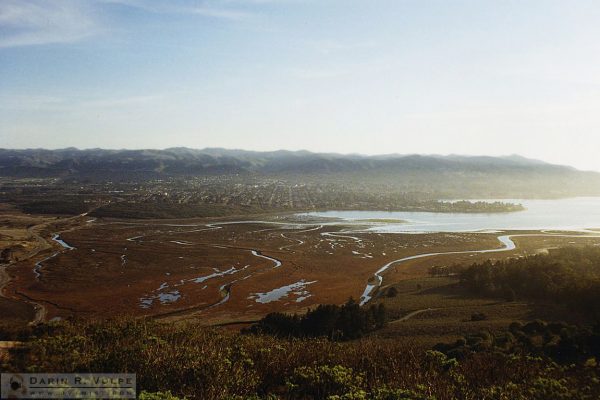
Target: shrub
point(398, 394)
point(567, 276)
point(346, 322)
point(195, 362)
point(331, 382)
point(158, 396)
point(478, 317)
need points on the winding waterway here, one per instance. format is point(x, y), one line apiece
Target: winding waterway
point(581, 215)
point(506, 240)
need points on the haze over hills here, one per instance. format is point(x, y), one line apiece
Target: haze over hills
point(186, 161)
point(449, 175)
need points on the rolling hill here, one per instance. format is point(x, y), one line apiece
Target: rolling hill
point(448, 175)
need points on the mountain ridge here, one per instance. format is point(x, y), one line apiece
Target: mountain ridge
point(182, 161)
point(40, 157)
point(450, 174)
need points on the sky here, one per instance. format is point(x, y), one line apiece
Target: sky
point(478, 77)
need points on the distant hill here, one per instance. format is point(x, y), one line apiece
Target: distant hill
point(446, 175)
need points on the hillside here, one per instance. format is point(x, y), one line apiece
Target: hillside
point(443, 175)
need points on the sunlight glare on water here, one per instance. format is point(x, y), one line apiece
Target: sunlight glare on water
point(563, 214)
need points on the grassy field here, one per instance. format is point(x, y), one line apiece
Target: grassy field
point(439, 310)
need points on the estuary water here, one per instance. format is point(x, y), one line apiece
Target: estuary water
point(563, 214)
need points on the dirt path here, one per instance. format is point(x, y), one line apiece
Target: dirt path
point(414, 313)
point(10, 344)
point(41, 244)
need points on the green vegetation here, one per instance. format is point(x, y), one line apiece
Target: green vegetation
point(158, 210)
point(188, 361)
point(569, 276)
point(58, 206)
point(144, 395)
point(563, 343)
point(465, 206)
point(347, 322)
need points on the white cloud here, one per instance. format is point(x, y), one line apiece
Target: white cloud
point(35, 102)
point(39, 22)
point(221, 13)
point(316, 73)
point(33, 22)
point(30, 102)
point(208, 8)
point(355, 69)
point(122, 101)
point(332, 46)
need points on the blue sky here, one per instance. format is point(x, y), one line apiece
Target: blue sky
point(467, 77)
